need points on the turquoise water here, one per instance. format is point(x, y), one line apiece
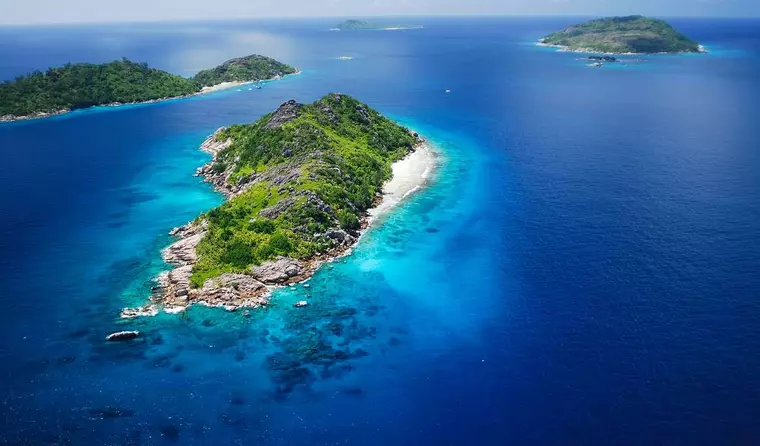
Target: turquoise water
point(581, 269)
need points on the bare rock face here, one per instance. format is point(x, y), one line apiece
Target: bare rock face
point(278, 271)
point(189, 229)
point(183, 251)
point(278, 209)
point(213, 144)
point(233, 291)
point(287, 112)
point(280, 175)
point(174, 286)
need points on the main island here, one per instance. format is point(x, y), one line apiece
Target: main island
point(622, 35)
point(301, 184)
point(75, 86)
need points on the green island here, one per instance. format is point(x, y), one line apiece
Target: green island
point(623, 35)
point(81, 85)
point(299, 183)
point(243, 69)
point(350, 25)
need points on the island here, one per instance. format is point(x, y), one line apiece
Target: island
point(75, 86)
point(301, 184)
point(244, 69)
point(622, 35)
point(349, 25)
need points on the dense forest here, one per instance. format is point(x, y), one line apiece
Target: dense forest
point(309, 172)
point(82, 85)
point(632, 34)
point(74, 86)
point(243, 69)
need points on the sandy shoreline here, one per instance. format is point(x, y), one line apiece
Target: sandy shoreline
point(204, 90)
point(410, 175)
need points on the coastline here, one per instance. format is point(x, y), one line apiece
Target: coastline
point(566, 49)
point(173, 294)
point(205, 90)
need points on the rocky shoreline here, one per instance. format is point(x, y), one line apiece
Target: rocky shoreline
point(205, 90)
point(232, 291)
point(566, 49)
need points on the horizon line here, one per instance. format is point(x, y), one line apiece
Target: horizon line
point(427, 15)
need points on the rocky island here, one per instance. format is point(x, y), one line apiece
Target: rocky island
point(301, 184)
point(622, 35)
point(350, 25)
point(82, 85)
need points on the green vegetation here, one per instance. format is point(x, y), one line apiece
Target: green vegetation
point(244, 69)
point(365, 25)
point(313, 170)
point(632, 34)
point(83, 85)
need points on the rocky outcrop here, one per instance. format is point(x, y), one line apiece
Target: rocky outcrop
point(228, 291)
point(278, 209)
point(214, 143)
point(279, 271)
point(174, 286)
point(122, 336)
point(218, 173)
point(189, 229)
point(287, 112)
point(233, 291)
point(603, 58)
point(341, 237)
point(148, 310)
point(182, 252)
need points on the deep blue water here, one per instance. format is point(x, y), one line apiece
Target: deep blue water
point(583, 269)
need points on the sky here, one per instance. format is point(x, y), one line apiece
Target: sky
point(20, 12)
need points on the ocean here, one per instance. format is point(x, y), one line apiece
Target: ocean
point(583, 268)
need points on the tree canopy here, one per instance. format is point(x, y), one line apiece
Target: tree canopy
point(82, 85)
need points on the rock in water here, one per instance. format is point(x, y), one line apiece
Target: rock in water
point(122, 336)
point(301, 304)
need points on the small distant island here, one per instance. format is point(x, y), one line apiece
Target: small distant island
point(75, 86)
point(301, 183)
point(623, 35)
point(365, 25)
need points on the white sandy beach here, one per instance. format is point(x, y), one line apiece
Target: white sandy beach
point(222, 86)
point(409, 175)
point(227, 85)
